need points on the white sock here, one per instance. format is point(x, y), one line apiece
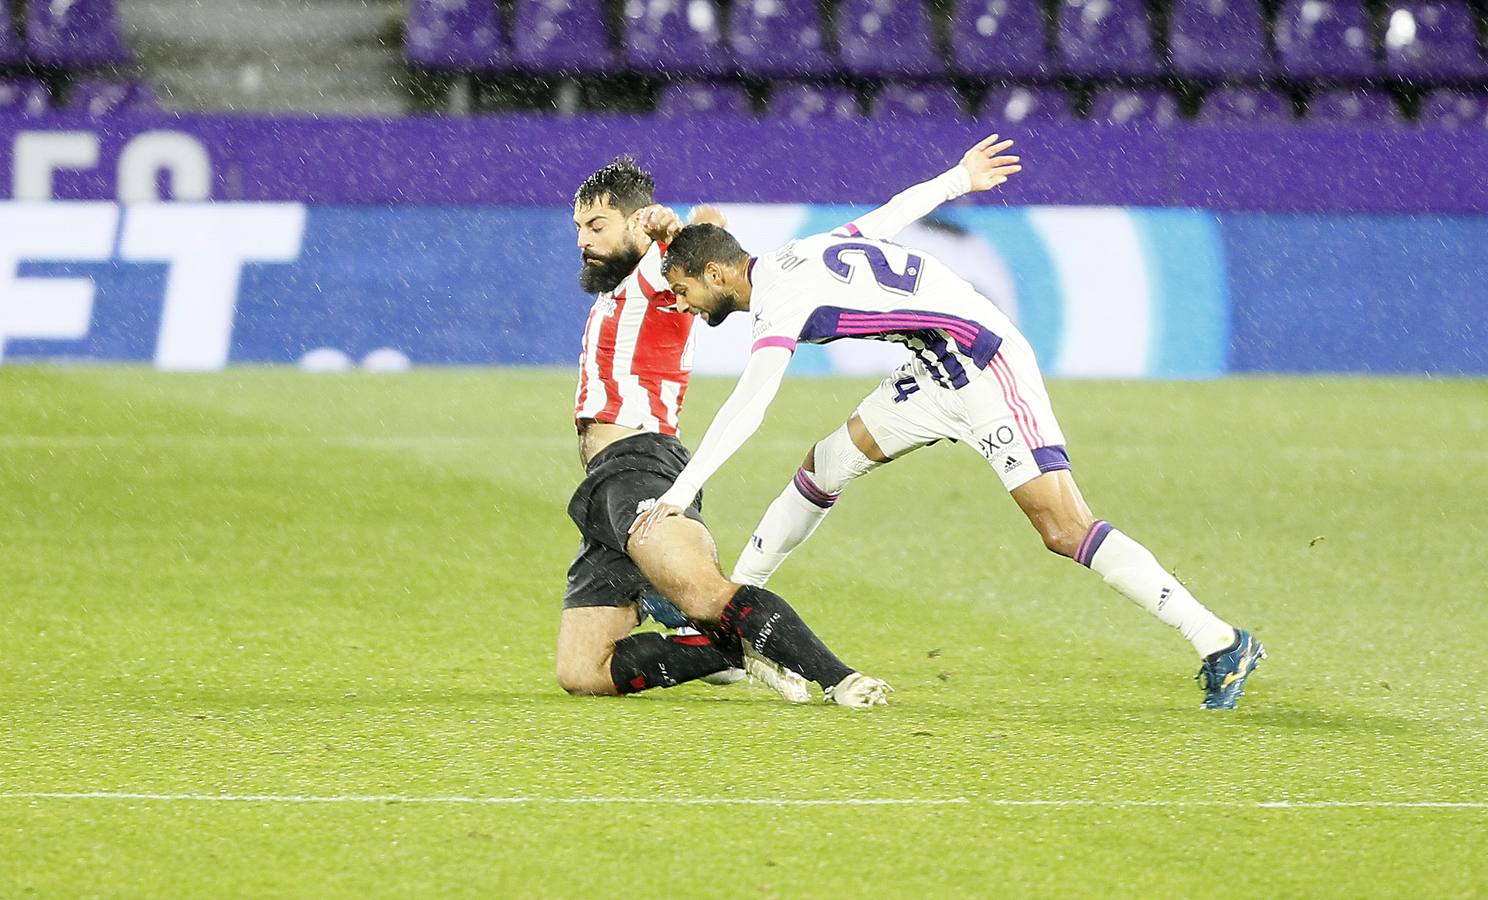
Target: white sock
point(790, 520)
point(1131, 569)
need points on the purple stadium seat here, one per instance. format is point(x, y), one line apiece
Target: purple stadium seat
point(886, 37)
point(1106, 37)
point(675, 36)
point(807, 104)
point(562, 37)
point(1219, 38)
point(1347, 107)
point(1432, 39)
point(1451, 110)
point(778, 38)
point(1324, 39)
point(455, 34)
point(100, 97)
point(700, 98)
point(11, 48)
point(917, 100)
point(23, 96)
point(999, 37)
point(1124, 106)
point(1016, 105)
point(1236, 105)
point(77, 33)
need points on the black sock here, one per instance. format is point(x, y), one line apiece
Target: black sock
point(776, 632)
point(657, 660)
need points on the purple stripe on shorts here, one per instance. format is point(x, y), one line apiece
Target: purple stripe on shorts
point(1051, 458)
point(1093, 539)
point(811, 492)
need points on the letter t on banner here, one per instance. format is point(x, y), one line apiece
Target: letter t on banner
point(206, 246)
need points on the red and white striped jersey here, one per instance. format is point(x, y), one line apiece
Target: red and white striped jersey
point(637, 355)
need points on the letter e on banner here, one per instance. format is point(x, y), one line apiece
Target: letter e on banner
point(50, 308)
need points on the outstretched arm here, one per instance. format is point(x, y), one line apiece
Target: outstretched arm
point(981, 168)
point(737, 420)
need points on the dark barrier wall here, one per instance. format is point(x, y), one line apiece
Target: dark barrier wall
point(532, 160)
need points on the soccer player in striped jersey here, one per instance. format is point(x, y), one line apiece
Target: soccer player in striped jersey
point(637, 356)
point(972, 378)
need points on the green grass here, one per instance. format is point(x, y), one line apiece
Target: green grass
point(269, 583)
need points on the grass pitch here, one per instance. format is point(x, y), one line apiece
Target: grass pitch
point(321, 593)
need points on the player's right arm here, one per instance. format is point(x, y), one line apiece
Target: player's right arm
point(981, 168)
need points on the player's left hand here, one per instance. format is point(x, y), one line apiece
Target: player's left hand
point(987, 166)
point(659, 222)
point(641, 527)
point(707, 213)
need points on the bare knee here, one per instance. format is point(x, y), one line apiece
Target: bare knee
point(1062, 536)
point(586, 679)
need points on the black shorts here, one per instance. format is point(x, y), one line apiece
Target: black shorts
point(621, 477)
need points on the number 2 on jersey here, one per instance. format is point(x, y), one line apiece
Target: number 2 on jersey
point(906, 282)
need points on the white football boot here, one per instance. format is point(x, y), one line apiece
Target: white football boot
point(859, 691)
point(778, 678)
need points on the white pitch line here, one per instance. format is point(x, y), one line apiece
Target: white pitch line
point(749, 801)
point(488, 801)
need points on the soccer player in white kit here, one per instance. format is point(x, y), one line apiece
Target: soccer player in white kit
point(972, 378)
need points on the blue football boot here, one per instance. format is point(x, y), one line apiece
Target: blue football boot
point(1223, 674)
point(666, 614)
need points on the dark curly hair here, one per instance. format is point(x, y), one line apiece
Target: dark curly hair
point(696, 246)
point(622, 184)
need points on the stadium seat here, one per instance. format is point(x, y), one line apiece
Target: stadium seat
point(999, 37)
point(455, 34)
point(1324, 39)
point(886, 38)
point(1125, 106)
point(701, 98)
point(1219, 38)
point(1434, 39)
point(11, 48)
point(917, 100)
point(683, 36)
point(1106, 37)
point(23, 96)
point(1016, 105)
point(100, 97)
point(562, 37)
point(1452, 110)
point(783, 38)
point(77, 33)
point(1236, 105)
point(1350, 107)
point(809, 103)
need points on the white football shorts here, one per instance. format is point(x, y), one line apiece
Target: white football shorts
point(1003, 413)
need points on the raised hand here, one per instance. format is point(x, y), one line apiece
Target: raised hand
point(986, 166)
point(659, 222)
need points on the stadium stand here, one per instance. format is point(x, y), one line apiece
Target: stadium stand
point(1152, 62)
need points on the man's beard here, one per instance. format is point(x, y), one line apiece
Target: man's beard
point(606, 275)
point(728, 304)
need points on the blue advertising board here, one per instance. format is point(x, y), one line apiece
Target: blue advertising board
point(1100, 291)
